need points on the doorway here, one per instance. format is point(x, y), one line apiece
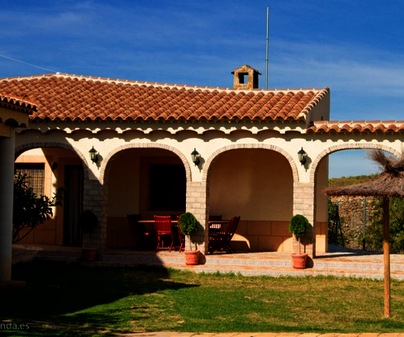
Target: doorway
point(73, 205)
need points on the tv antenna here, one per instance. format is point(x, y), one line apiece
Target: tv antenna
point(267, 50)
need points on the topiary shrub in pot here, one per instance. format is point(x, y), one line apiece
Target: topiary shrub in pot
point(188, 225)
point(299, 226)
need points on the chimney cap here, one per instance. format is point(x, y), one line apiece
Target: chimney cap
point(245, 77)
point(246, 67)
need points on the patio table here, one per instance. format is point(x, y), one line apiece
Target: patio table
point(150, 231)
point(216, 225)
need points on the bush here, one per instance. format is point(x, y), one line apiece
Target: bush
point(188, 223)
point(29, 210)
point(299, 225)
point(374, 232)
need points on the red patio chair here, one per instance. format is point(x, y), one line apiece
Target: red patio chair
point(220, 241)
point(164, 231)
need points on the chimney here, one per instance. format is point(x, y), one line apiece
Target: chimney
point(245, 77)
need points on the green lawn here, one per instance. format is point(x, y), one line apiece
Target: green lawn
point(74, 300)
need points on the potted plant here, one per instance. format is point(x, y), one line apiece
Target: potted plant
point(88, 222)
point(189, 225)
point(299, 226)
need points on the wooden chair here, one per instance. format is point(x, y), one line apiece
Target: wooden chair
point(220, 241)
point(179, 236)
point(164, 231)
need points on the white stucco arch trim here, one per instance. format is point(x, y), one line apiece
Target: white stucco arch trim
point(349, 146)
point(105, 161)
point(271, 147)
point(29, 146)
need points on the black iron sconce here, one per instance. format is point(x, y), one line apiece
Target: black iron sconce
point(54, 165)
point(196, 157)
point(93, 155)
point(302, 155)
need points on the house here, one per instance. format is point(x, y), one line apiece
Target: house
point(124, 147)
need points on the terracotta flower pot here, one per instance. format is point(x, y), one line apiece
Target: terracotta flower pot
point(89, 254)
point(299, 260)
point(192, 257)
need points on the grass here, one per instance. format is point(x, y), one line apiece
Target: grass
point(74, 300)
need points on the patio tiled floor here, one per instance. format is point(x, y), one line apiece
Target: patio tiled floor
point(337, 263)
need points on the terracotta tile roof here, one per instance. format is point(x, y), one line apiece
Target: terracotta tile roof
point(356, 126)
point(64, 97)
point(16, 103)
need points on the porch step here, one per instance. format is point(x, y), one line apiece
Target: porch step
point(272, 264)
point(274, 271)
point(248, 264)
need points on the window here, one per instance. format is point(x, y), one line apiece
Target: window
point(167, 185)
point(243, 78)
point(35, 175)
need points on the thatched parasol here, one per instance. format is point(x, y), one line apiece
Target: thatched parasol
point(389, 183)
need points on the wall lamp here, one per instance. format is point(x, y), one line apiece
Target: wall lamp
point(93, 155)
point(196, 157)
point(302, 155)
point(54, 165)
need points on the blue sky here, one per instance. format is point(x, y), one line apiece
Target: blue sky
point(354, 47)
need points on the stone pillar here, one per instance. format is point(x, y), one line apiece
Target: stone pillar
point(304, 203)
point(7, 148)
point(196, 204)
point(93, 200)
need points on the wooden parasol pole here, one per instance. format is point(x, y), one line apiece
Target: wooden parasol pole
point(386, 253)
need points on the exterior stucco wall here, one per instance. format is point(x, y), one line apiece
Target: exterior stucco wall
point(321, 111)
point(298, 188)
point(254, 183)
point(124, 184)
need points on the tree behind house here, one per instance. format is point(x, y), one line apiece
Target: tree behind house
point(374, 234)
point(351, 210)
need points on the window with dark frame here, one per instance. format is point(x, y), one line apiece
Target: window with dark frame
point(35, 173)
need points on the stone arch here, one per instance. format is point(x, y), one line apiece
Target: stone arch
point(275, 148)
point(348, 146)
point(87, 185)
point(104, 165)
point(105, 168)
point(264, 238)
point(29, 146)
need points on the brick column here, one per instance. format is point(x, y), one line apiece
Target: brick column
point(93, 200)
point(196, 204)
point(304, 203)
